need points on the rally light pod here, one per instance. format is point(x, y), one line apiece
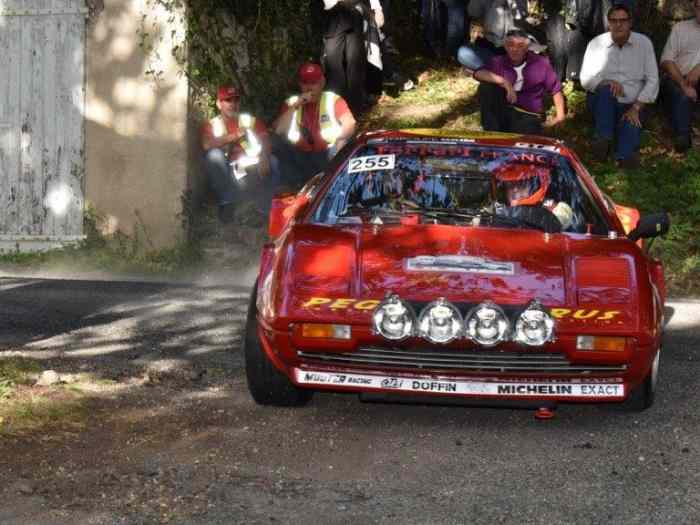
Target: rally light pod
point(393, 319)
point(440, 322)
point(534, 326)
point(486, 324)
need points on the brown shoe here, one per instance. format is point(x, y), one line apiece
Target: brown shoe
point(629, 163)
point(600, 148)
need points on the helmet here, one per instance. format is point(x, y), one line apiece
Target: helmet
point(523, 184)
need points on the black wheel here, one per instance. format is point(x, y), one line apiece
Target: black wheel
point(266, 384)
point(642, 397)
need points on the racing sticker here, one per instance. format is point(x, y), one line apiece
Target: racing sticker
point(460, 387)
point(372, 163)
point(458, 263)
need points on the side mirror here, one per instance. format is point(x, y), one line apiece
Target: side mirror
point(284, 207)
point(650, 226)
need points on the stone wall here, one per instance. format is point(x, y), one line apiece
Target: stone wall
point(136, 121)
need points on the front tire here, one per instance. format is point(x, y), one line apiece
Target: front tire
point(643, 396)
point(266, 384)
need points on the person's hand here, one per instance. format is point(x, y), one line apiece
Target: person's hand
point(615, 87)
point(511, 95)
point(379, 18)
point(632, 116)
point(304, 98)
point(690, 92)
point(693, 77)
point(553, 121)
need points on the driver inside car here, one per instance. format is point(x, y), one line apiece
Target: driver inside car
point(526, 185)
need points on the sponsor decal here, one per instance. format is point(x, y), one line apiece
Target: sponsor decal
point(474, 387)
point(583, 314)
point(544, 147)
point(458, 263)
point(433, 386)
point(341, 304)
point(392, 382)
point(463, 150)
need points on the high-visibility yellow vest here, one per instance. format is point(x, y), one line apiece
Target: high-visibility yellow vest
point(249, 143)
point(328, 123)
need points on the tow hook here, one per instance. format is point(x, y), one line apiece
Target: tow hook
point(544, 413)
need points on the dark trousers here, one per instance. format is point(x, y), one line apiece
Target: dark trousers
point(498, 115)
point(345, 59)
point(444, 25)
point(296, 166)
point(566, 48)
point(607, 118)
point(679, 107)
point(231, 191)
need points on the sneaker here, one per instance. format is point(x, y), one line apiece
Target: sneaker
point(600, 148)
point(629, 163)
point(681, 143)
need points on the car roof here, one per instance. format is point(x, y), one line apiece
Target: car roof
point(491, 138)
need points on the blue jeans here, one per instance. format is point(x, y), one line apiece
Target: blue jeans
point(607, 118)
point(679, 107)
point(230, 191)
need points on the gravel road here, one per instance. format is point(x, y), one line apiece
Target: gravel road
point(172, 435)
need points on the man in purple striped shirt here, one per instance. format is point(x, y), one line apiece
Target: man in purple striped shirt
point(513, 87)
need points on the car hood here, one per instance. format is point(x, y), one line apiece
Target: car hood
point(423, 262)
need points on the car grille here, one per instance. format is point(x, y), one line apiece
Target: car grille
point(430, 360)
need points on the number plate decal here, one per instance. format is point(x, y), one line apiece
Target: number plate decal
point(372, 163)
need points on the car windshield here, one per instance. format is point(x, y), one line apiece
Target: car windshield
point(459, 183)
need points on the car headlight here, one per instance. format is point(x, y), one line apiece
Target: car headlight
point(534, 327)
point(393, 319)
point(487, 324)
point(440, 322)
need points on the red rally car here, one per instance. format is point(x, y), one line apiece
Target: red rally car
point(482, 266)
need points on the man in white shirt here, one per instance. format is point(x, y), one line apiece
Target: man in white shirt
point(620, 73)
point(680, 61)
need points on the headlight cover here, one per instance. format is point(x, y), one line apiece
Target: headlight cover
point(487, 324)
point(440, 322)
point(393, 319)
point(534, 327)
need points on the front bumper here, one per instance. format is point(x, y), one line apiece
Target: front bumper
point(550, 390)
point(561, 376)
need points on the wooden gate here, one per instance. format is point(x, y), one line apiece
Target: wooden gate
point(42, 101)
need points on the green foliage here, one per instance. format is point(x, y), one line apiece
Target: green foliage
point(670, 184)
point(14, 371)
point(256, 44)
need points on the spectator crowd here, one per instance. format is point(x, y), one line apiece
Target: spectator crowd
point(517, 63)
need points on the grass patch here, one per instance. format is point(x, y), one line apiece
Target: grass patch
point(28, 411)
point(25, 408)
point(15, 371)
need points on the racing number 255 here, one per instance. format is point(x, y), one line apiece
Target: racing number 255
point(371, 163)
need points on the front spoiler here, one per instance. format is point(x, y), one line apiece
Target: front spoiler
point(552, 390)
